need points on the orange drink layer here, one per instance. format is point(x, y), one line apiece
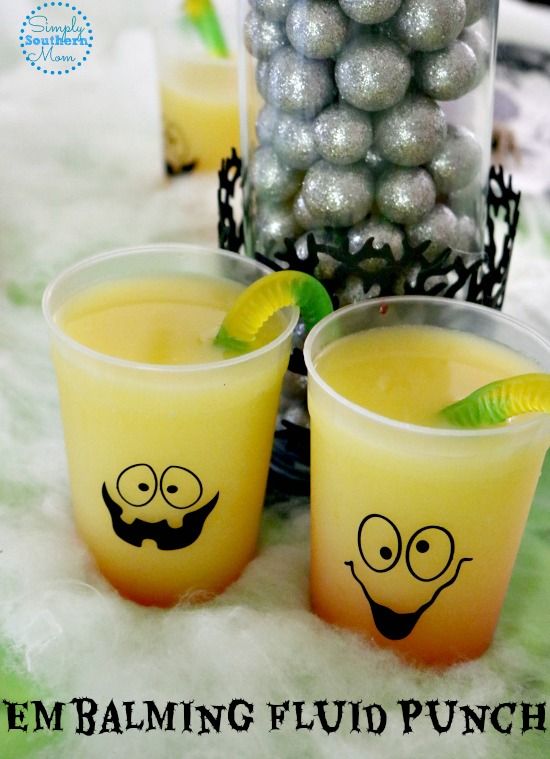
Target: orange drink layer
point(415, 527)
point(168, 437)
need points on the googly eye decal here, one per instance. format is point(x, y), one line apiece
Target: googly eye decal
point(430, 552)
point(137, 484)
point(379, 543)
point(180, 487)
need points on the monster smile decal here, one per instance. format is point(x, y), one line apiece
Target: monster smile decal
point(180, 489)
point(429, 556)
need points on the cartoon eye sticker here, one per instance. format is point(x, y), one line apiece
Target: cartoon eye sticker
point(180, 487)
point(137, 484)
point(379, 543)
point(429, 555)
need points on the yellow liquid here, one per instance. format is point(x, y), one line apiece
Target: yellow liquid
point(161, 442)
point(406, 521)
point(200, 113)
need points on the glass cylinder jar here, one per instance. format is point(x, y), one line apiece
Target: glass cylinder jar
point(367, 123)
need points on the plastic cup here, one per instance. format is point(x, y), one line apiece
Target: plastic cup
point(382, 489)
point(135, 431)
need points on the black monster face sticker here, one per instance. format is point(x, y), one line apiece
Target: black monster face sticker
point(180, 489)
point(429, 556)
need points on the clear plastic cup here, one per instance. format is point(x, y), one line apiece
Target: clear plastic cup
point(167, 462)
point(387, 495)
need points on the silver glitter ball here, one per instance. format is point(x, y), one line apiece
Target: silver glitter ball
point(340, 195)
point(261, 36)
point(480, 48)
point(411, 132)
point(447, 74)
point(327, 266)
point(439, 226)
point(468, 235)
point(429, 24)
point(343, 134)
point(317, 28)
point(299, 85)
point(469, 200)
point(266, 123)
point(457, 162)
point(405, 195)
point(305, 218)
point(261, 75)
point(301, 244)
point(382, 233)
point(372, 73)
point(274, 10)
point(293, 141)
point(273, 223)
point(370, 11)
point(375, 162)
point(475, 9)
point(270, 177)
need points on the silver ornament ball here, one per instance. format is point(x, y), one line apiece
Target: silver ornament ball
point(261, 36)
point(343, 134)
point(352, 292)
point(274, 223)
point(475, 9)
point(317, 28)
point(480, 48)
point(266, 123)
point(381, 231)
point(340, 195)
point(370, 11)
point(261, 75)
point(457, 162)
point(293, 141)
point(270, 177)
point(405, 195)
point(429, 24)
point(468, 235)
point(274, 10)
point(372, 73)
point(447, 74)
point(305, 218)
point(411, 132)
point(299, 85)
point(438, 226)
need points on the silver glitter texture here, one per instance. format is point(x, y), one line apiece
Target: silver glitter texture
point(405, 195)
point(293, 141)
point(271, 179)
point(480, 47)
point(261, 36)
point(317, 28)
point(382, 231)
point(374, 161)
point(429, 24)
point(299, 85)
point(266, 123)
point(475, 9)
point(370, 11)
point(305, 218)
point(411, 132)
point(261, 75)
point(274, 10)
point(447, 74)
point(343, 134)
point(373, 73)
point(457, 162)
point(273, 223)
point(340, 195)
point(439, 226)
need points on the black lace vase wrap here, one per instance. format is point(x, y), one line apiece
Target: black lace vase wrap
point(369, 272)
